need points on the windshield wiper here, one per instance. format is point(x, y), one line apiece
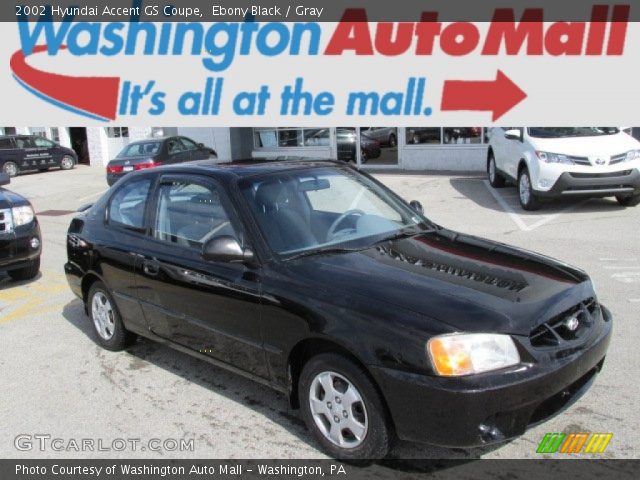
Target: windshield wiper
point(405, 234)
point(324, 251)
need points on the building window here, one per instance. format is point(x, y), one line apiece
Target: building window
point(55, 134)
point(445, 136)
point(9, 130)
point(291, 137)
point(117, 132)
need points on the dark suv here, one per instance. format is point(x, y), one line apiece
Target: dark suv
point(20, 153)
point(20, 241)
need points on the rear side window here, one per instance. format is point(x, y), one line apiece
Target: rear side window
point(6, 143)
point(128, 205)
point(24, 142)
point(189, 214)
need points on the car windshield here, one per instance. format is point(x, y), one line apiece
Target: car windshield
point(558, 132)
point(311, 210)
point(140, 149)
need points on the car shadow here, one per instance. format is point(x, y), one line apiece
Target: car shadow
point(476, 190)
point(405, 456)
point(7, 282)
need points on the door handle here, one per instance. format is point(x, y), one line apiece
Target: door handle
point(151, 267)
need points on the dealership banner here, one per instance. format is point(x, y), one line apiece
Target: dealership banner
point(230, 63)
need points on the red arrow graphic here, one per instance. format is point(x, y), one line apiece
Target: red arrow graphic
point(498, 96)
point(96, 97)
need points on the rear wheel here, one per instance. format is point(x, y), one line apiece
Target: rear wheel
point(629, 200)
point(495, 178)
point(67, 162)
point(10, 168)
point(526, 194)
point(26, 273)
point(343, 408)
point(107, 323)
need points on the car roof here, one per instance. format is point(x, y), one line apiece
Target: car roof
point(248, 167)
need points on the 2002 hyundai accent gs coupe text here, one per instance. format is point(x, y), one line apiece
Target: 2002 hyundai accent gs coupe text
point(315, 279)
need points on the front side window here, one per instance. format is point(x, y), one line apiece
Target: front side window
point(174, 145)
point(128, 204)
point(43, 142)
point(313, 209)
point(189, 214)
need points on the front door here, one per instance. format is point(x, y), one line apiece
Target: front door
point(213, 308)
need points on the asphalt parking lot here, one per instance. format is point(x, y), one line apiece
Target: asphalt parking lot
point(56, 381)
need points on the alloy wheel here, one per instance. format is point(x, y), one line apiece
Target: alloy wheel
point(66, 163)
point(103, 315)
point(338, 409)
point(10, 169)
point(524, 188)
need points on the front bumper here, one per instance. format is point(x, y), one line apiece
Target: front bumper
point(575, 184)
point(488, 408)
point(15, 247)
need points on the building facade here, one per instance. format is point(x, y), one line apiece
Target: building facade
point(381, 148)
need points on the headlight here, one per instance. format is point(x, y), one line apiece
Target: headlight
point(548, 157)
point(469, 353)
point(22, 215)
point(632, 155)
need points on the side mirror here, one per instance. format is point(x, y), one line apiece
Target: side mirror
point(4, 179)
point(513, 135)
point(201, 145)
point(225, 249)
point(417, 206)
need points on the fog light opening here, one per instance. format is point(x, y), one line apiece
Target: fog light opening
point(35, 243)
point(489, 433)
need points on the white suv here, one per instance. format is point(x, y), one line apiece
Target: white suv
point(565, 162)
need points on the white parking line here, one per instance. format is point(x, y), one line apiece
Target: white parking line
point(517, 219)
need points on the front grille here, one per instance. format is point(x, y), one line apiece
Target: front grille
point(557, 331)
point(581, 161)
point(623, 173)
point(618, 159)
point(6, 221)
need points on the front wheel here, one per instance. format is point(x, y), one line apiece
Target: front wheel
point(628, 201)
point(67, 162)
point(343, 408)
point(107, 323)
point(526, 194)
point(26, 273)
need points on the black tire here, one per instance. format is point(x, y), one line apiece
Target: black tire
point(529, 202)
point(26, 273)
point(377, 439)
point(628, 201)
point(495, 177)
point(119, 338)
point(10, 168)
point(67, 163)
point(393, 142)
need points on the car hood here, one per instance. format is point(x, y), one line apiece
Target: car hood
point(9, 199)
point(605, 145)
point(466, 282)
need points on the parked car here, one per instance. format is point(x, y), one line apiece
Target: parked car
point(387, 136)
point(154, 152)
point(346, 141)
point(561, 162)
point(317, 280)
point(20, 240)
point(21, 153)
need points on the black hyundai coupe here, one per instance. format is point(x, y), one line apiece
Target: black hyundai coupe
point(316, 280)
